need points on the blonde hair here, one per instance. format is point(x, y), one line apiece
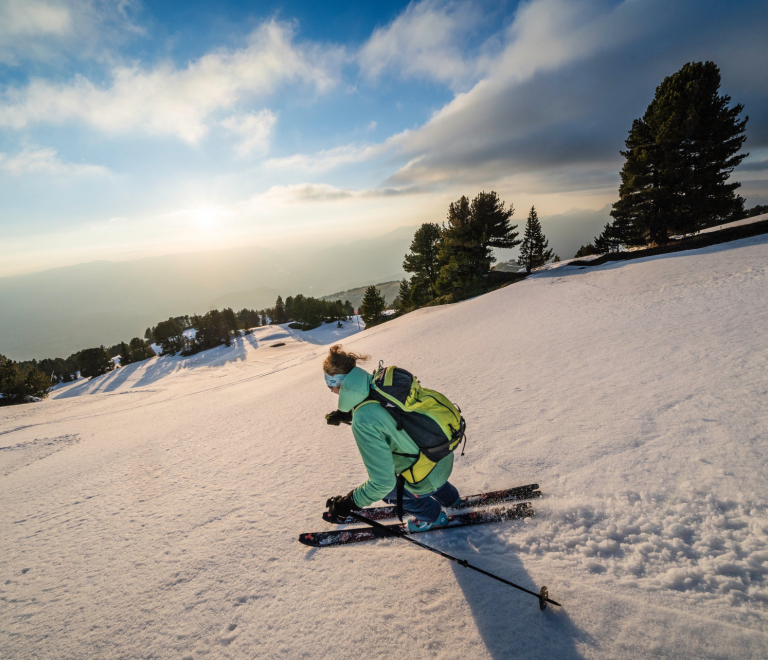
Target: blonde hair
point(341, 362)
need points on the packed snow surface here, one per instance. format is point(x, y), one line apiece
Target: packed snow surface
point(154, 512)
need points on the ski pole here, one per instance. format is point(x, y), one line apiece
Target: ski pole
point(543, 595)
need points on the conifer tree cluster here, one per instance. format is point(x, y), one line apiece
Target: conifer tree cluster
point(453, 259)
point(94, 362)
point(679, 158)
point(310, 312)
point(20, 383)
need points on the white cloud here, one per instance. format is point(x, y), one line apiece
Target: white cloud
point(300, 193)
point(425, 41)
point(512, 121)
point(329, 158)
point(172, 101)
point(52, 30)
point(309, 193)
point(29, 17)
point(253, 130)
point(45, 161)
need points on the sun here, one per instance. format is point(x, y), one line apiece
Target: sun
point(206, 218)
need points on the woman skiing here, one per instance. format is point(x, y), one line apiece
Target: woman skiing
point(387, 451)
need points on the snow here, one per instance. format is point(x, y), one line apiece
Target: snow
point(154, 511)
point(728, 225)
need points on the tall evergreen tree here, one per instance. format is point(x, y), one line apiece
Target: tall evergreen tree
point(533, 250)
point(472, 231)
point(230, 320)
point(403, 299)
point(372, 306)
point(278, 314)
point(423, 259)
point(125, 354)
point(679, 158)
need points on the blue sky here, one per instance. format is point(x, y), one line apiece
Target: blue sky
point(134, 128)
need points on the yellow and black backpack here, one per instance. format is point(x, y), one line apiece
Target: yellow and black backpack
point(428, 417)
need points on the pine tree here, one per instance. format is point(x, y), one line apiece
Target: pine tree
point(170, 336)
point(140, 350)
point(372, 306)
point(466, 252)
point(125, 354)
point(423, 260)
point(585, 251)
point(679, 158)
point(278, 314)
point(403, 300)
point(94, 362)
point(18, 384)
point(533, 251)
point(230, 320)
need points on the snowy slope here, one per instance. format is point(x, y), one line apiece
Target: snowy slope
point(153, 513)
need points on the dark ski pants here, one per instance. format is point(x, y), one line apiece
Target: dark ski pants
point(426, 507)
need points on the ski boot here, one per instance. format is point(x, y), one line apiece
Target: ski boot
point(415, 525)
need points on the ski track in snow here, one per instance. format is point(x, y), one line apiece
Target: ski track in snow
point(153, 512)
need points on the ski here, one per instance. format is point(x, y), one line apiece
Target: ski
point(359, 534)
point(528, 492)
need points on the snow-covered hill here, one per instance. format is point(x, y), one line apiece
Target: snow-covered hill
point(153, 513)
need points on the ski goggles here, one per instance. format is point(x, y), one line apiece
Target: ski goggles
point(335, 380)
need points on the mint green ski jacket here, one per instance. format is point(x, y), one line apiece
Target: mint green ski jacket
point(378, 439)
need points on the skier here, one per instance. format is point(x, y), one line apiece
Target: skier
point(386, 451)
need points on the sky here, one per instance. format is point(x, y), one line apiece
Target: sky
point(131, 129)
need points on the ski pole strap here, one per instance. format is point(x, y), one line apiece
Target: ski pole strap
point(400, 491)
point(543, 595)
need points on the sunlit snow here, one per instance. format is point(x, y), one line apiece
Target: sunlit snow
point(154, 512)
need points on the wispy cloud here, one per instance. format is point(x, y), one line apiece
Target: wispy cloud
point(755, 165)
point(47, 29)
point(424, 42)
point(172, 101)
point(33, 17)
point(329, 158)
point(253, 130)
point(46, 161)
point(304, 193)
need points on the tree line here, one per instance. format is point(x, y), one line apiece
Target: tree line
point(307, 312)
point(32, 379)
point(453, 261)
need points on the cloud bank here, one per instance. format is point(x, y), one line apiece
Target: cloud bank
point(180, 102)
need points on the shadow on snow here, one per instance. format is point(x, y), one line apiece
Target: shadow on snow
point(157, 369)
point(510, 621)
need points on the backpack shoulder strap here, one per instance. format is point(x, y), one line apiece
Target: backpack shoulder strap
point(360, 405)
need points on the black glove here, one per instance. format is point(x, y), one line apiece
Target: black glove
point(341, 506)
point(337, 417)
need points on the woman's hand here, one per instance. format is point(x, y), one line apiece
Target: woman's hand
point(341, 506)
point(337, 417)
